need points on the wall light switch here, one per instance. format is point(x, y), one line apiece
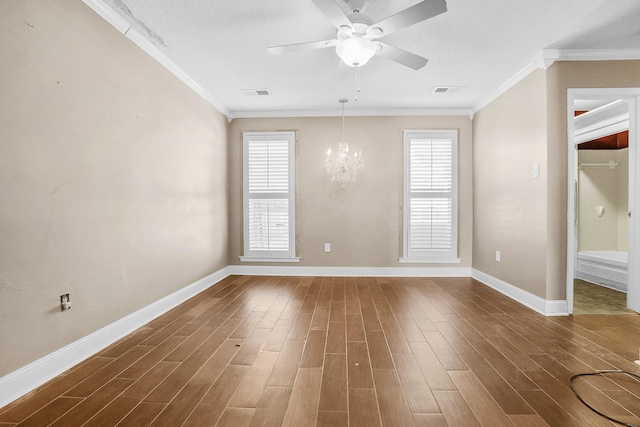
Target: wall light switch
point(536, 171)
point(497, 256)
point(327, 247)
point(65, 302)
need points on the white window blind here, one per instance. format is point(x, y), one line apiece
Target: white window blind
point(430, 195)
point(268, 195)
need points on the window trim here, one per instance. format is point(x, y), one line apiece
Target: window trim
point(268, 256)
point(427, 256)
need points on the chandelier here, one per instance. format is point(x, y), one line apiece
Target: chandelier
point(343, 167)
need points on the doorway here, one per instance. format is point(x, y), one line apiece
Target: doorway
point(601, 229)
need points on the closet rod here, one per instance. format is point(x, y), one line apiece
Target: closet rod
point(612, 164)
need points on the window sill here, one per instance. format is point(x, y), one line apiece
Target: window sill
point(429, 260)
point(253, 259)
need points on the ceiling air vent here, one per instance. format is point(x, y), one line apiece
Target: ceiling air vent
point(258, 92)
point(447, 89)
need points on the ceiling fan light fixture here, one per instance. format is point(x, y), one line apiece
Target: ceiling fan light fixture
point(356, 51)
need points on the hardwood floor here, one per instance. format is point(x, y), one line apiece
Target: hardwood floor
point(291, 351)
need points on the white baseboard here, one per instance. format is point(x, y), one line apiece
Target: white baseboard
point(602, 280)
point(270, 270)
point(26, 379)
point(541, 305)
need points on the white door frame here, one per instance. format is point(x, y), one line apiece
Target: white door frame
point(633, 95)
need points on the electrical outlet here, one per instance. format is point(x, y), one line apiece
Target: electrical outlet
point(65, 303)
point(497, 256)
point(327, 247)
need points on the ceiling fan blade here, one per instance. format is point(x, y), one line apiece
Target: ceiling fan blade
point(416, 13)
point(290, 48)
point(400, 56)
point(333, 12)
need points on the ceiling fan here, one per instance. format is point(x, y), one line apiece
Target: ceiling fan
point(357, 38)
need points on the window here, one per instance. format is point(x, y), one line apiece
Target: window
point(268, 196)
point(430, 196)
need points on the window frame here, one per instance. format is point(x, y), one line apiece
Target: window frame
point(429, 255)
point(268, 255)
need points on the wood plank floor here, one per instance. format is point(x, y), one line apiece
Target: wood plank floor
point(334, 351)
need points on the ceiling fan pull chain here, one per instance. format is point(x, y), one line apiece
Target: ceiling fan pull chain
point(357, 86)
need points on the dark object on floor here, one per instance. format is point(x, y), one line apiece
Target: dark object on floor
point(615, 371)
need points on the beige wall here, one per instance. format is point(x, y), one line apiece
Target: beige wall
point(560, 77)
point(509, 138)
point(606, 187)
point(120, 185)
point(529, 216)
point(363, 222)
point(112, 178)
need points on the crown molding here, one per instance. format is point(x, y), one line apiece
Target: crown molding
point(591, 54)
point(606, 120)
point(151, 49)
point(109, 15)
point(538, 62)
point(545, 58)
point(123, 26)
point(351, 113)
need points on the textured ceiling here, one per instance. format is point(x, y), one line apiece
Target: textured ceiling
point(476, 46)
